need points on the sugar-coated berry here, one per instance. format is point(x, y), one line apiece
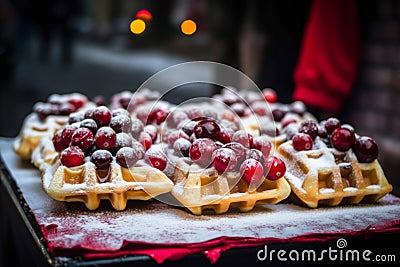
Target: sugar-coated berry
point(72, 156)
point(278, 114)
point(224, 159)
point(145, 140)
point(309, 127)
point(67, 133)
point(156, 158)
point(274, 168)
point(126, 157)
point(342, 139)
point(83, 138)
point(331, 124)
point(255, 154)
point(225, 135)
point(137, 128)
point(181, 147)
point(120, 111)
point(263, 144)
point(76, 117)
point(105, 138)
point(90, 124)
point(121, 123)
point(201, 151)
point(102, 116)
point(302, 141)
point(102, 159)
point(243, 137)
point(239, 150)
point(366, 149)
point(251, 170)
point(152, 131)
point(58, 142)
point(123, 140)
point(270, 95)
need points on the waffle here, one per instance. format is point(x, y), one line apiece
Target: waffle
point(327, 177)
point(199, 189)
point(33, 130)
point(81, 184)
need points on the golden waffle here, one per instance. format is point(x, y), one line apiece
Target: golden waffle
point(33, 130)
point(81, 184)
point(199, 189)
point(326, 176)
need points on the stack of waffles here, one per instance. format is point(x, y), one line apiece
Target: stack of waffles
point(239, 149)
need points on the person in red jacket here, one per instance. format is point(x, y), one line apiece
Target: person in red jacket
point(329, 55)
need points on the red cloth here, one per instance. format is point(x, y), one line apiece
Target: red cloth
point(328, 59)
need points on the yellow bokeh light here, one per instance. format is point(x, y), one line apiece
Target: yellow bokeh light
point(188, 27)
point(138, 26)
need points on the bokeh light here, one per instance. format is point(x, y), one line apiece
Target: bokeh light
point(144, 15)
point(138, 26)
point(188, 27)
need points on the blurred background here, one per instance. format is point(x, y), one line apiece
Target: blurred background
point(97, 47)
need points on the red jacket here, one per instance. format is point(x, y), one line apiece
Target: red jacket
point(328, 60)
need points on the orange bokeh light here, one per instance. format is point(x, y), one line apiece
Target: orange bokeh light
point(137, 26)
point(144, 14)
point(188, 27)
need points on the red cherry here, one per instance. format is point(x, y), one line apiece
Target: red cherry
point(99, 100)
point(207, 128)
point(105, 138)
point(224, 159)
point(302, 141)
point(159, 115)
point(251, 170)
point(66, 109)
point(152, 131)
point(83, 138)
point(239, 149)
point(243, 137)
point(102, 116)
point(342, 139)
point(275, 168)
point(175, 118)
point(331, 124)
point(263, 144)
point(77, 101)
point(270, 95)
point(156, 158)
point(76, 117)
point(72, 156)
point(255, 154)
point(173, 136)
point(102, 159)
point(67, 133)
point(225, 135)
point(120, 111)
point(181, 147)
point(201, 151)
point(366, 149)
point(123, 140)
point(90, 124)
point(121, 123)
point(58, 141)
point(145, 140)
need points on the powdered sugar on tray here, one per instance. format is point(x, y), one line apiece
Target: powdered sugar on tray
point(68, 225)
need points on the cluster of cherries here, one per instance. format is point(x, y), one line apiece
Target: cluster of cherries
point(102, 135)
point(60, 105)
point(207, 143)
point(336, 135)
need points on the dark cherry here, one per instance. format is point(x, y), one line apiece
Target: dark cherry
point(322, 132)
point(366, 149)
point(302, 141)
point(181, 147)
point(99, 100)
point(225, 135)
point(67, 133)
point(58, 141)
point(278, 114)
point(156, 158)
point(126, 157)
point(243, 137)
point(101, 158)
point(309, 127)
point(194, 113)
point(188, 126)
point(66, 109)
point(263, 144)
point(274, 168)
point(255, 154)
point(90, 124)
point(120, 111)
point(105, 138)
point(89, 114)
point(251, 170)
point(207, 128)
point(331, 124)
point(224, 159)
point(123, 140)
point(121, 123)
point(76, 117)
point(102, 116)
point(298, 107)
point(173, 136)
point(83, 138)
point(239, 109)
point(201, 151)
point(342, 139)
point(239, 149)
point(72, 156)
